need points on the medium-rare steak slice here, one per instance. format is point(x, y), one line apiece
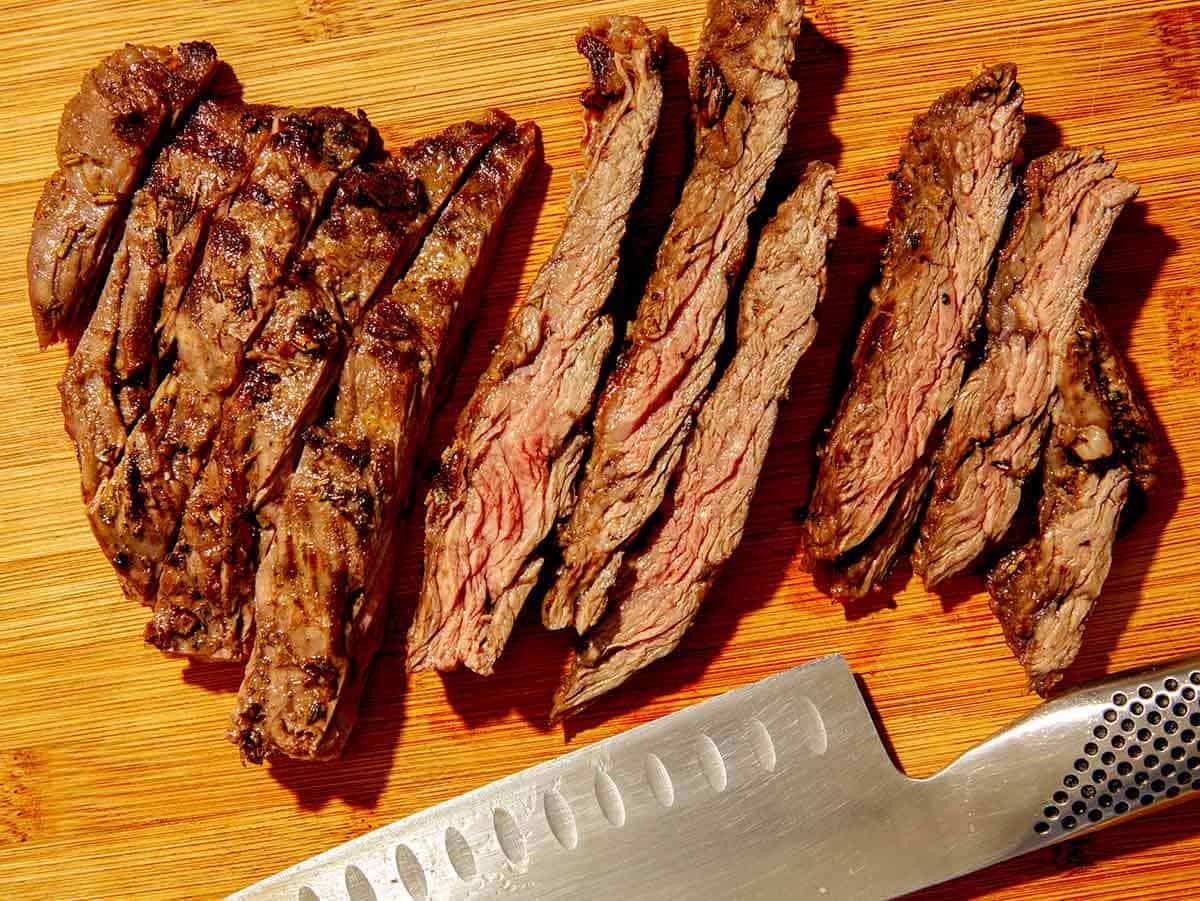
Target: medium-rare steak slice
point(996, 431)
point(104, 389)
point(662, 583)
point(136, 512)
point(950, 199)
point(105, 137)
point(507, 476)
point(322, 589)
point(858, 572)
point(380, 213)
point(993, 442)
point(743, 98)
point(1103, 443)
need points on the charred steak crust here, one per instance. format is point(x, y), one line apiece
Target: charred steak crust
point(950, 199)
point(1103, 444)
point(104, 141)
point(664, 579)
point(136, 513)
point(1069, 202)
point(322, 589)
point(380, 212)
point(114, 369)
point(743, 98)
point(507, 476)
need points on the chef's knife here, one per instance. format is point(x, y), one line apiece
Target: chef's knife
point(781, 789)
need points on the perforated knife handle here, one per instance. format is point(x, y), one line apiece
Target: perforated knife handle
point(1095, 756)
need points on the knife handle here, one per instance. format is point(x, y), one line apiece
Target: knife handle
point(1098, 755)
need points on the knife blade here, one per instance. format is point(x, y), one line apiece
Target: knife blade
point(780, 789)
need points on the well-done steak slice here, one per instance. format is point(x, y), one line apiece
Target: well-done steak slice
point(508, 474)
point(136, 512)
point(743, 98)
point(664, 579)
point(1070, 201)
point(322, 589)
point(1103, 444)
point(103, 390)
point(380, 212)
point(106, 134)
point(950, 200)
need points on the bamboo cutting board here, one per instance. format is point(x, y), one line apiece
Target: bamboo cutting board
point(114, 778)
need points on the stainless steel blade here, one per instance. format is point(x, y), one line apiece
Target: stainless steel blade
point(781, 789)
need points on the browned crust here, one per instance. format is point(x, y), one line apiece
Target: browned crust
point(104, 139)
point(322, 591)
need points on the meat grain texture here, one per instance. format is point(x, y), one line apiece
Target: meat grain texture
point(380, 212)
point(115, 367)
point(664, 579)
point(104, 142)
point(136, 513)
point(322, 589)
point(1103, 445)
point(950, 200)
point(1070, 201)
point(743, 97)
point(508, 474)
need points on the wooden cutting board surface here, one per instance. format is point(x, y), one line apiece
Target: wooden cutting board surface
point(115, 780)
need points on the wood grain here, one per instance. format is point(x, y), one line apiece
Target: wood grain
point(114, 778)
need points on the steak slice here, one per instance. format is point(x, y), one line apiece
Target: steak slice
point(507, 475)
point(994, 439)
point(743, 98)
point(112, 372)
point(380, 213)
point(1103, 443)
point(104, 142)
point(950, 200)
point(858, 572)
point(136, 512)
point(662, 583)
point(322, 589)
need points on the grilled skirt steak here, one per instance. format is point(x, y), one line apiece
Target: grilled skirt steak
point(743, 99)
point(321, 592)
point(662, 583)
point(112, 372)
point(993, 442)
point(380, 213)
point(858, 572)
point(949, 202)
point(1103, 444)
point(137, 511)
point(104, 141)
point(507, 476)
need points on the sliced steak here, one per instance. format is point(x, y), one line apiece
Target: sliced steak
point(136, 512)
point(858, 572)
point(1103, 444)
point(996, 431)
point(993, 442)
point(663, 581)
point(321, 592)
point(507, 476)
point(112, 372)
point(950, 200)
point(743, 98)
point(380, 213)
point(104, 141)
